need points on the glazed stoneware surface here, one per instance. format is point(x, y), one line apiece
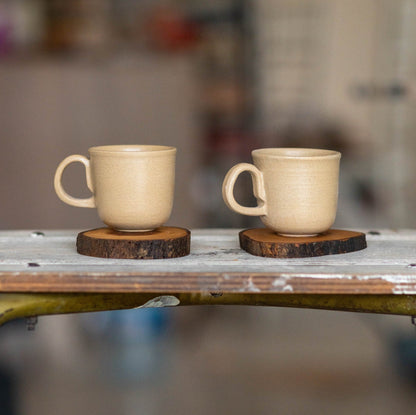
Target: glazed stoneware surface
point(296, 189)
point(132, 185)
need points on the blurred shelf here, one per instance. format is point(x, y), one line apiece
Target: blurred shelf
point(44, 268)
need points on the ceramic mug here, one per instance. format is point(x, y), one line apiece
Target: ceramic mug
point(132, 185)
point(296, 189)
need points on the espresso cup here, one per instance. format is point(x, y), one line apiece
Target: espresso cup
point(132, 185)
point(296, 189)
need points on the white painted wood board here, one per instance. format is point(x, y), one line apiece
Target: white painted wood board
point(216, 262)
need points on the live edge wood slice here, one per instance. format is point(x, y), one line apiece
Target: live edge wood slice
point(264, 242)
point(163, 242)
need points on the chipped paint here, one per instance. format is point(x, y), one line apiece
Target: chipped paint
point(161, 301)
point(320, 276)
point(405, 290)
point(279, 282)
point(281, 285)
point(250, 286)
point(288, 289)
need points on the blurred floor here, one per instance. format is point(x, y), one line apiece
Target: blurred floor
point(224, 361)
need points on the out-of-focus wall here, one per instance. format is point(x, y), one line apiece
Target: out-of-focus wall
point(350, 57)
point(51, 108)
point(340, 74)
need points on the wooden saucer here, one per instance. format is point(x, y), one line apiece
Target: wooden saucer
point(264, 242)
point(163, 242)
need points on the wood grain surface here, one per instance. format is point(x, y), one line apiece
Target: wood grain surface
point(163, 242)
point(266, 243)
point(47, 262)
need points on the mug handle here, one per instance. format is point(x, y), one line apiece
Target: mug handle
point(64, 196)
point(258, 190)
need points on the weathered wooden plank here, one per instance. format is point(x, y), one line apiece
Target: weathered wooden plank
point(31, 262)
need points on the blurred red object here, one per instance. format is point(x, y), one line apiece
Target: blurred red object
point(232, 143)
point(6, 31)
point(171, 31)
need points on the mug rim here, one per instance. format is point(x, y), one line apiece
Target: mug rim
point(132, 149)
point(297, 153)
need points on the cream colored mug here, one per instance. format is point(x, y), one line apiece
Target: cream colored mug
point(132, 185)
point(296, 189)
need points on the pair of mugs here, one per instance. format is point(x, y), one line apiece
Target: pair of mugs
point(133, 187)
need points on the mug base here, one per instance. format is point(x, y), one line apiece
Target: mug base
point(291, 235)
point(134, 230)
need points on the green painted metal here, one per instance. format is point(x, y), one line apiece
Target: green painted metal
point(13, 305)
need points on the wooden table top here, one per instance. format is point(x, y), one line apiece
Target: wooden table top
point(34, 263)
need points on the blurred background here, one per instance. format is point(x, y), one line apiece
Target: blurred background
point(215, 79)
